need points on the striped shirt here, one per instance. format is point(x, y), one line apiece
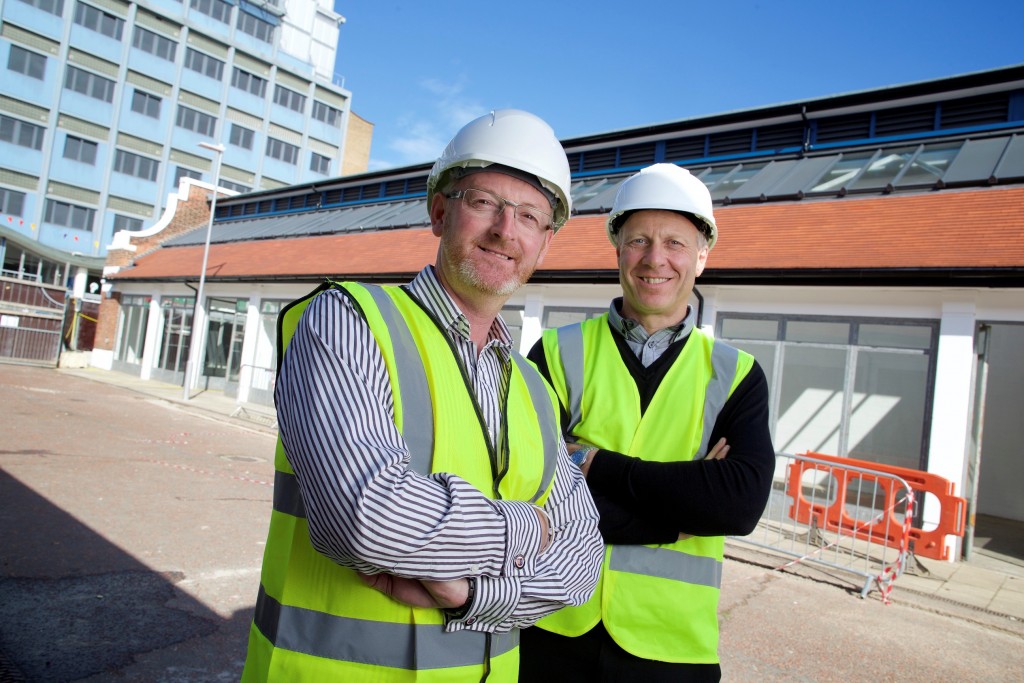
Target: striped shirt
point(369, 512)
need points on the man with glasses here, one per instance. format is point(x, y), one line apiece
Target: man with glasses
point(670, 428)
point(425, 509)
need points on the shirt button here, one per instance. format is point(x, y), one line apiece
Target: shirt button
point(470, 621)
point(520, 561)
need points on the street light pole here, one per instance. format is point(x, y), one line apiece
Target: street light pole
point(199, 321)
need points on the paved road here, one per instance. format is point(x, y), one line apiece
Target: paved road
point(132, 529)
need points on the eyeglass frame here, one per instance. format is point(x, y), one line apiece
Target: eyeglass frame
point(461, 194)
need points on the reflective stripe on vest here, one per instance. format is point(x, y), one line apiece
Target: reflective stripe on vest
point(380, 643)
point(540, 396)
point(723, 367)
point(666, 564)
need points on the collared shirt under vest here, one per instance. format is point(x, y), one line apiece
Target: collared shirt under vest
point(658, 602)
point(315, 620)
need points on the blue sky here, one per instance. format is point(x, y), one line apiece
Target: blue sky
point(420, 70)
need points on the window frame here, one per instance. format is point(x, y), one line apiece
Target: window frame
point(78, 147)
point(203, 121)
point(18, 129)
point(136, 165)
point(31, 62)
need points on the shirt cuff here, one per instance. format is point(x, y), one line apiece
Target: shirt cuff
point(522, 538)
point(493, 604)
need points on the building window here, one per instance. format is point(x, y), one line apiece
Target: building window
point(558, 316)
point(177, 332)
point(135, 320)
point(154, 44)
point(204, 64)
point(78, 149)
point(11, 203)
point(218, 9)
point(241, 136)
point(69, 215)
point(126, 223)
point(318, 163)
point(856, 388)
point(255, 27)
point(228, 185)
point(99, 21)
point(289, 98)
point(196, 121)
point(26, 62)
point(135, 165)
point(21, 133)
point(146, 104)
point(326, 113)
point(278, 149)
point(250, 83)
point(182, 172)
point(88, 83)
point(51, 6)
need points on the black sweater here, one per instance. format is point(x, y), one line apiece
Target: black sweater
point(643, 502)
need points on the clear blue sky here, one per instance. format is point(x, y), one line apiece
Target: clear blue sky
point(419, 70)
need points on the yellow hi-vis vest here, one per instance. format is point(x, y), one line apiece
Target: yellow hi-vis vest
point(658, 602)
point(314, 619)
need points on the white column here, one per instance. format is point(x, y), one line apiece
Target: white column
point(154, 335)
point(533, 311)
point(951, 403)
point(249, 342)
point(81, 277)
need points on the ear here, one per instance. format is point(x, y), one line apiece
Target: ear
point(437, 208)
point(702, 260)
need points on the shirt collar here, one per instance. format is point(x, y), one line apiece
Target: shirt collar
point(633, 331)
point(428, 289)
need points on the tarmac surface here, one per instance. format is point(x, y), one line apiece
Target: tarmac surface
point(133, 522)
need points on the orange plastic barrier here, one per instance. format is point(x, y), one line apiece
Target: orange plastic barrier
point(885, 528)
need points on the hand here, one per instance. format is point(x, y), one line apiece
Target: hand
point(719, 451)
point(419, 592)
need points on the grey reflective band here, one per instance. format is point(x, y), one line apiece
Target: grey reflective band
point(723, 372)
point(377, 643)
point(287, 496)
point(666, 564)
point(541, 400)
point(570, 352)
point(417, 409)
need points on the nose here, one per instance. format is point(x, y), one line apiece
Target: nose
point(505, 221)
point(653, 255)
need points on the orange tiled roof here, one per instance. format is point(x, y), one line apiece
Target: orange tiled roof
point(946, 230)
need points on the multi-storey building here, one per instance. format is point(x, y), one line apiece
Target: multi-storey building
point(105, 105)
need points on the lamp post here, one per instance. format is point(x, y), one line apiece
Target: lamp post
point(199, 321)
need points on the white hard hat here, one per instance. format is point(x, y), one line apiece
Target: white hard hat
point(669, 187)
point(514, 139)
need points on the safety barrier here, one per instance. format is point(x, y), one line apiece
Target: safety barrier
point(854, 515)
point(810, 541)
point(835, 515)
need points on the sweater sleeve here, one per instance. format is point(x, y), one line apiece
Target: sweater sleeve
point(701, 497)
point(619, 523)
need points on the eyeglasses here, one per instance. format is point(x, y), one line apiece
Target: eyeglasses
point(489, 205)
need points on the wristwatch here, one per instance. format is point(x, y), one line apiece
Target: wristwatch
point(459, 612)
point(580, 456)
